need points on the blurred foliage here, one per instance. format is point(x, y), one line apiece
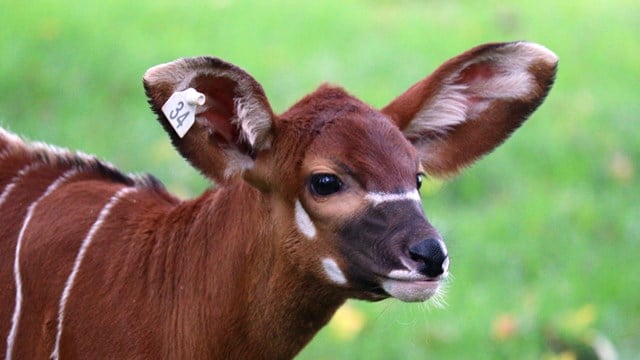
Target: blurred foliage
point(545, 225)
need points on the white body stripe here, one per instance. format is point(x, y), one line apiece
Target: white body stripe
point(9, 188)
point(86, 242)
point(15, 320)
point(333, 271)
point(305, 225)
point(379, 198)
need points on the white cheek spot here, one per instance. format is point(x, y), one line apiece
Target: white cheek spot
point(378, 198)
point(305, 225)
point(333, 272)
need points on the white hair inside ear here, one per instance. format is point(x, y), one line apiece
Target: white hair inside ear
point(503, 74)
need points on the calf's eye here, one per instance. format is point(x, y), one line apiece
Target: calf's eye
point(324, 184)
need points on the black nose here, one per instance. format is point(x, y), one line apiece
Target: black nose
point(431, 257)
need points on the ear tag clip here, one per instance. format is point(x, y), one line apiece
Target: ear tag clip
point(180, 109)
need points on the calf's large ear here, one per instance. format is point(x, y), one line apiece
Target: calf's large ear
point(216, 114)
point(473, 102)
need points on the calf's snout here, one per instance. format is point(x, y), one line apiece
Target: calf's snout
point(431, 257)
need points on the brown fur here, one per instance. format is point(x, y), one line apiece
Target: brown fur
point(231, 274)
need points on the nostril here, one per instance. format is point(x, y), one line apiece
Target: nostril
point(430, 256)
point(426, 250)
point(415, 255)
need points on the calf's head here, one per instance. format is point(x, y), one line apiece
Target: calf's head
point(343, 177)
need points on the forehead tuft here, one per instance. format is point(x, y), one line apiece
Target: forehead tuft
point(351, 133)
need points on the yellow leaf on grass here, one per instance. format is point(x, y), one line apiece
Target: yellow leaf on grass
point(347, 322)
point(581, 319)
point(565, 355)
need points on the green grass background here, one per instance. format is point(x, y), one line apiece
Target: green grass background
point(544, 233)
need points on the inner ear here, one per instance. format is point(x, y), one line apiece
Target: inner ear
point(220, 106)
point(476, 72)
point(473, 102)
point(232, 124)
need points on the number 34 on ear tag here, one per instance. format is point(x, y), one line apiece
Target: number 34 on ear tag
point(180, 109)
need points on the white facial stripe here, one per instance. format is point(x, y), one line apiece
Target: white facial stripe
point(333, 271)
point(17, 310)
point(78, 261)
point(378, 198)
point(305, 225)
